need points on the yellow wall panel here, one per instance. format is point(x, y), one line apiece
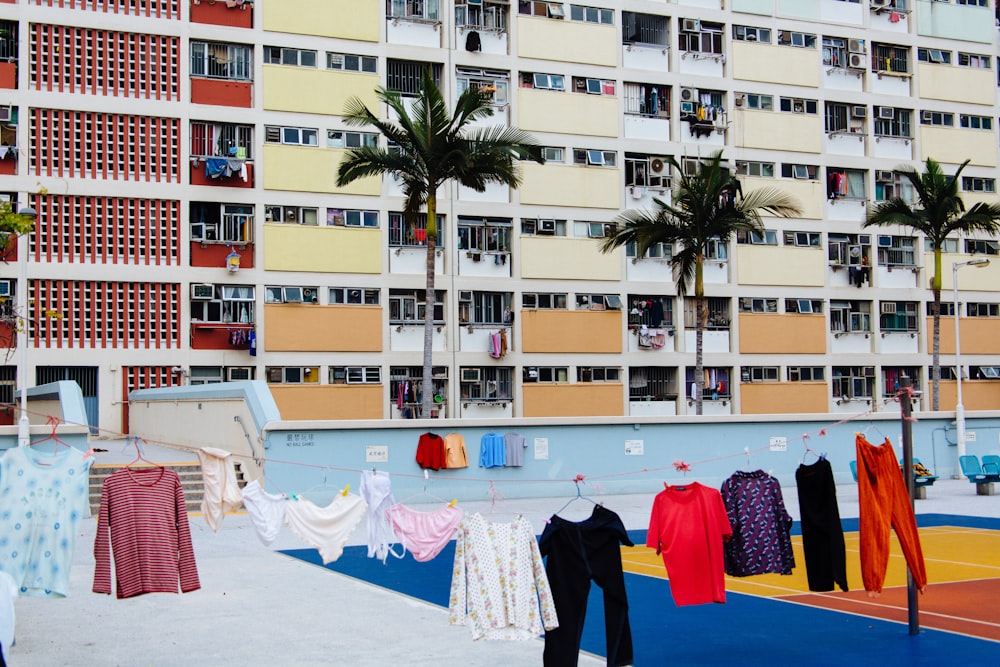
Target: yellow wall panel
point(810, 195)
point(778, 130)
point(980, 335)
point(955, 145)
point(956, 84)
point(311, 169)
point(571, 331)
point(322, 249)
point(976, 394)
point(574, 400)
point(321, 91)
point(567, 259)
point(756, 62)
point(780, 265)
point(328, 401)
point(314, 328)
point(349, 19)
point(767, 333)
point(570, 185)
point(567, 41)
point(567, 113)
point(764, 398)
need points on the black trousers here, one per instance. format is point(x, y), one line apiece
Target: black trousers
point(576, 553)
point(822, 532)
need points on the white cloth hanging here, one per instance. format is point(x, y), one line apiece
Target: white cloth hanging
point(222, 492)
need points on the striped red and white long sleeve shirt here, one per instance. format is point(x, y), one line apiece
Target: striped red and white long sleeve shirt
point(143, 521)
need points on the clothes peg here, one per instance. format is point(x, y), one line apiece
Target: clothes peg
point(346, 490)
point(453, 502)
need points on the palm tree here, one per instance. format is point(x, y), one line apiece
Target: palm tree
point(429, 146)
point(706, 206)
point(940, 213)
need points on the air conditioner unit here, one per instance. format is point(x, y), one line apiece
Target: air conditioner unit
point(926, 116)
point(609, 230)
point(859, 112)
point(465, 295)
point(689, 94)
point(687, 107)
point(690, 25)
point(4, 288)
point(471, 374)
point(856, 46)
point(879, 4)
point(236, 374)
point(739, 101)
point(884, 241)
point(5, 113)
point(888, 307)
point(657, 165)
point(887, 113)
point(883, 176)
point(856, 61)
point(546, 226)
point(864, 239)
point(202, 292)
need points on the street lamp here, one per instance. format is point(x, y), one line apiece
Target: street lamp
point(24, 424)
point(959, 408)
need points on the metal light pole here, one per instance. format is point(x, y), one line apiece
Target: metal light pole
point(959, 408)
point(24, 423)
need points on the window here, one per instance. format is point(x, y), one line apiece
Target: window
point(853, 382)
point(984, 372)
point(482, 14)
point(892, 122)
point(800, 39)
point(897, 251)
point(973, 3)
point(547, 374)
point(655, 251)
point(646, 171)
point(947, 309)
point(978, 184)
point(898, 316)
point(543, 227)
point(223, 304)
point(936, 56)
point(205, 375)
point(291, 294)
point(975, 60)
point(403, 232)
point(717, 384)
point(278, 55)
point(948, 245)
point(803, 171)
point(355, 375)
point(343, 139)
point(745, 33)
point(592, 156)
point(652, 383)
point(543, 81)
point(294, 136)
point(837, 118)
point(355, 296)
point(221, 223)
point(426, 10)
point(980, 247)
point(485, 235)
point(292, 215)
point(797, 105)
point(222, 61)
point(493, 83)
point(802, 239)
point(805, 373)
point(890, 59)
point(221, 139)
point(645, 29)
point(848, 249)
point(941, 118)
point(598, 302)
point(759, 374)
point(351, 63)
point(591, 14)
point(755, 237)
point(490, 308)
point(404, 388)
point(757, 101)
point(975, 122)
point(343, 217)
point(553, 154)
point(893, 185)
point(753, 305)
point(543, 301)
point(491, 383)
point(804, 306)
point(646, 99)
point(716, 249)
point(593, 230)
point(292, 374)
point(835, 52)
point(409, 306)
point(700, 37)
point(750, 168)
point(650, 310)
point(718, 313)
point(404, 76)
point(850, 316)
point(598, 374)
point(552, 10)
point(592, 86)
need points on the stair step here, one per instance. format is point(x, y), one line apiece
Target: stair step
point(189, 474)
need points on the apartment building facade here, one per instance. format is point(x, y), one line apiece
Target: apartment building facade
point(181, 157)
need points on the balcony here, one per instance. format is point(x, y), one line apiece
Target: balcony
point(232, 13)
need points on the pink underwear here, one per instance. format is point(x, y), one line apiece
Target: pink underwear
point(425, 534)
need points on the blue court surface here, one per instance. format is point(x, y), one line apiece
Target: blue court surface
point(748, 630)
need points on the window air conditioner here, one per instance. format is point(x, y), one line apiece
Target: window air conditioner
point(4, 288)
point(864, 239)
point(465, 295)
point(471, 374)
point(884, 241)
point(927, 116)
point(202, 292)
point(856, 61)
point(859, 111)
point(237, 373)
point(883, 176)
point(888, 307)
point(546, 226)
point(856, 46)
point(689, 94)
point(5, 113)
point(886, 113)
point(690, 25)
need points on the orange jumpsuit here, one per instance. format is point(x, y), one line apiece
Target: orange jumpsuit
point(883, 502)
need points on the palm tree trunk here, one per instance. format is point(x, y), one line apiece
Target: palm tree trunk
point(427, 382)
point(701, 320)
point(936, 336)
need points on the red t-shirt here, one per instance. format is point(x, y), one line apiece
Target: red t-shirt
point(688, 525)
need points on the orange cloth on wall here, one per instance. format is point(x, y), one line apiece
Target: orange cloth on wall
point(884, 502)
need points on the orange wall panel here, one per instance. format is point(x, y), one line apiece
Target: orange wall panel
point(980, 335)
point(216, 337)
point(585, 399)
point(8, 167)
point(217, 13)
point(976, 394)
point(312, 328)
point(214, 254)
point(8, 75)
point(222, 93)
point(764, 398)
point(329, 401)
point(198, 177)
point(597, 331)
point(766, 333)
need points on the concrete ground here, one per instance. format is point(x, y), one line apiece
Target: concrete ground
point(258, 607)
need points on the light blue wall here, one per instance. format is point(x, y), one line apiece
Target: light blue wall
point(798, 9)
point(319, 462)
point(950, 21)
point(73, 412)
point(764, 7)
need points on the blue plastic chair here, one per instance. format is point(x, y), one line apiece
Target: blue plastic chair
point(926, 480)
point(974, 472)
point(854, 470)
point(991, 464)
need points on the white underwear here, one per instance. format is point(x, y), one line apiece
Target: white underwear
point(266, 510)
point(326, 528)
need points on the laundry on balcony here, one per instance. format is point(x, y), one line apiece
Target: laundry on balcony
point(8, 152)
point(225, 167)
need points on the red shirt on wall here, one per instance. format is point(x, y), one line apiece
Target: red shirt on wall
point(430, 451)
point(688, 525)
